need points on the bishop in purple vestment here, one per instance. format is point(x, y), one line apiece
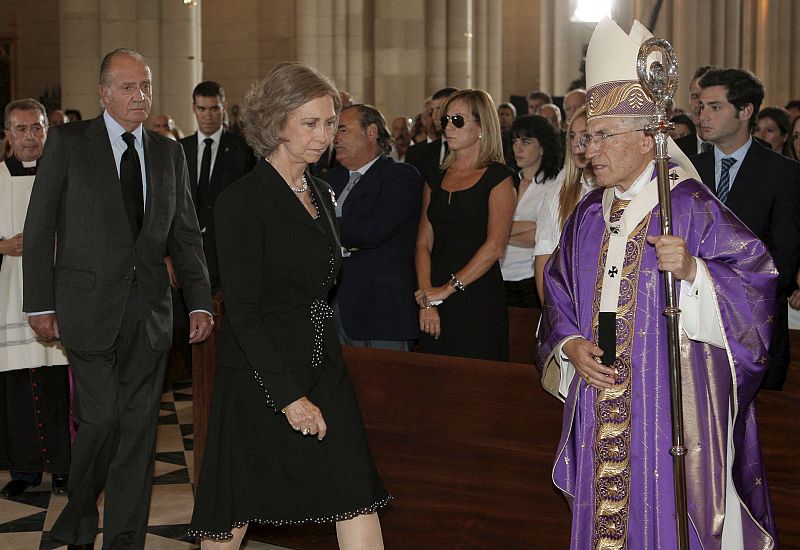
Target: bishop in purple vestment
point(613, 462)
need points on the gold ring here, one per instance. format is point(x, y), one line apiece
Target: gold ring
point(305, 431)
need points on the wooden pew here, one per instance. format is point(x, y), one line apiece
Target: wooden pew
point(522, 324)
point(466, 448)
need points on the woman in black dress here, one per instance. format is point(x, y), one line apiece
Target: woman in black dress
point(286, 443)
point(469, 207)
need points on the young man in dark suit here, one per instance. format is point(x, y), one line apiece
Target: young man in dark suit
point(760, 186)
point(215, 158)
point(378, 207)
point(112, 199)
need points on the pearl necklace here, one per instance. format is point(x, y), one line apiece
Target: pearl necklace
point(297, 190)
point(302, 189)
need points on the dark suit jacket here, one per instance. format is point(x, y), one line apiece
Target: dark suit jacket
point(766, 196)
point(688, 144)
point(425, 157)
point(379, 219)
point(273, 260)
point(76, 216)
point(234, 160)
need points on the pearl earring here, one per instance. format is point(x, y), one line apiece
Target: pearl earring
point(480, 136)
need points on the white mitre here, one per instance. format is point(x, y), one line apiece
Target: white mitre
point(612, 83)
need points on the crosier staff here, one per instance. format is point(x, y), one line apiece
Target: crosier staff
point(660, 81)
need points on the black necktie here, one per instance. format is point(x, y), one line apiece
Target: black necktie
point(205, 167)
point(130, 176)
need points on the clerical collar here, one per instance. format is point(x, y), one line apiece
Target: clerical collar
point(638, 185)
point(17, 168)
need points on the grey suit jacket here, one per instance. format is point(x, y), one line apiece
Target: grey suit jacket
point(80, 256)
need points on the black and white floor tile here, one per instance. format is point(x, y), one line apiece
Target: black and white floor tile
point(26, 520)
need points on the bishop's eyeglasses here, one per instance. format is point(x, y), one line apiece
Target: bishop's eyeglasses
point(599, 138)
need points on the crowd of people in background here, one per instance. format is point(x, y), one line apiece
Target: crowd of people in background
point(535, 154)
point(538, 136)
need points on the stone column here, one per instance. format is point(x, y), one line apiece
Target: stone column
point(165, 33)
point(487, 47)
point(307, 32)
point(399, 77)
point(360, 75)
point(80, 54)
point(459, 43)
point(480, 66)
point(435, 46)
point(494, 53)
point(179, 61)
point(562, 46)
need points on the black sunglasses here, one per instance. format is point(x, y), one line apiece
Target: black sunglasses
point(458, 121)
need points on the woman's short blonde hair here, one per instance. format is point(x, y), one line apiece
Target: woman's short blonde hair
point(269, 103)
point(482, 108)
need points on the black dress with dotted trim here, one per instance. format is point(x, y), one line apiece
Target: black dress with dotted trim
point(277, 343)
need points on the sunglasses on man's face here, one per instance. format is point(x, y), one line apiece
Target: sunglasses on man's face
point(458, 121)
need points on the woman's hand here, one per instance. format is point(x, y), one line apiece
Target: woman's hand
point(425, 296)
point(429, 321)
point(305, 417)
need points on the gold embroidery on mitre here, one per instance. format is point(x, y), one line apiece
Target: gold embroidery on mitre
point(608, 97)
point(613, 405)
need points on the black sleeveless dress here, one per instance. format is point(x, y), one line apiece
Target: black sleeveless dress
point(277, 343)
point(475, 321)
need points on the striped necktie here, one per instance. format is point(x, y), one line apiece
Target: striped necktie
point(724, 186)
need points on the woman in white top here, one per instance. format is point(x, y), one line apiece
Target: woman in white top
point(538, 155)
point(574, 181)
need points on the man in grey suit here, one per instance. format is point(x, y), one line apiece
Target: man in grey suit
point(110, 200)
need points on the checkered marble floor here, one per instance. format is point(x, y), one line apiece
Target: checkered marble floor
point(26, 520)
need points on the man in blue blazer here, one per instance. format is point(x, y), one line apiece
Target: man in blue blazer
point(378, 208)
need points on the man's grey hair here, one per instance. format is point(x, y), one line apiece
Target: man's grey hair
point(26, 104)
point(105, 64)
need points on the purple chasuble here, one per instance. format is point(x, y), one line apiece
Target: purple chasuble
point(744, 279)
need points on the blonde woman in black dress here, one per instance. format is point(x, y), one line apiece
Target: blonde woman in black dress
point(467, 212)
point(286, 443)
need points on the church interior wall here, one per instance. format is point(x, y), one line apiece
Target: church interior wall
point(387, 53)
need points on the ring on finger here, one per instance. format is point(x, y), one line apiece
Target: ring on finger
point(305, 431)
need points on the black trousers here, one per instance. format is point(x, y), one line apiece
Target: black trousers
point(116, 403)
point(779, 354)
point(34, 419)
point(522, 293)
